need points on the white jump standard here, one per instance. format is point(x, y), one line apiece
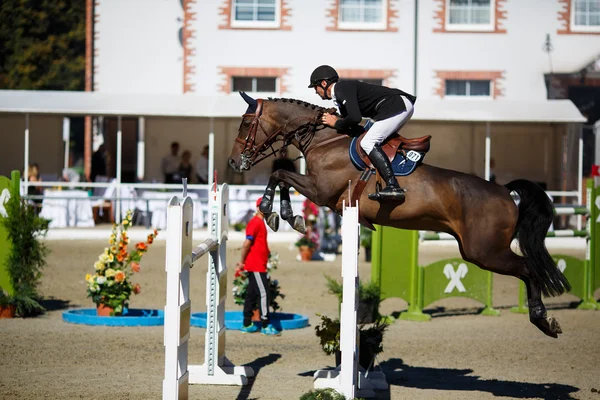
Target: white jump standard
point(348, 378)
point(180, 257)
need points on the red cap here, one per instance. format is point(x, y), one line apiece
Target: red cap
point(258, 201)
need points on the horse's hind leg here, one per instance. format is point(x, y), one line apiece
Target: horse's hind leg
point(505, 262)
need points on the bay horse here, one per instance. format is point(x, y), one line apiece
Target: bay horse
point(481, 215)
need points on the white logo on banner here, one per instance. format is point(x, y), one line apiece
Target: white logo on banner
point(455, 277)
point(413, 156)
point(562, 265)
point(597, 202)
point(3, 199)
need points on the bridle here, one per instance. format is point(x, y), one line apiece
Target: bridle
point(254, 153)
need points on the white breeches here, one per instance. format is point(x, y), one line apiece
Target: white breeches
point(380, 130)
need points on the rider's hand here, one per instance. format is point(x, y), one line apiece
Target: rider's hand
point(329, 119)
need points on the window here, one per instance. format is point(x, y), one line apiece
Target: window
point(362, 14)
point(470, 15)
point(252, 84)
point(585, 15)
point(468, 87)
point(255, 13)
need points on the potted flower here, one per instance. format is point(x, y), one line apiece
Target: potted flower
point(370, 336)
point(307, 246)
point(240, 287)
point(369, 297)
point(110, 287)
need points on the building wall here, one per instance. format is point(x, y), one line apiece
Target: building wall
point(137, 47)
point(139, 51)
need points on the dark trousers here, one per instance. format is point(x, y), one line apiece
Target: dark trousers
point(257, 296)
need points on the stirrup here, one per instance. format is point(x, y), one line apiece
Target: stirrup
point(393, 193)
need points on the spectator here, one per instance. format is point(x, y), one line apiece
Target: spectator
point(99, 163)
point(33, 175)
point(283, 162)
point(185, 166)
point(255, 255)
point(169, 164)
point(202, 166)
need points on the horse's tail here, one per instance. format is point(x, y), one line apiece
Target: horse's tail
point(535, 217)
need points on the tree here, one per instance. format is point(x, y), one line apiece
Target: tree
point(42, 44)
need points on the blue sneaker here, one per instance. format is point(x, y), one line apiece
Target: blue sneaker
point(270, 330)
point(249, 329)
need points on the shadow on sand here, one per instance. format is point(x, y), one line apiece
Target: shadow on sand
point(444, 379)
point(256, 366)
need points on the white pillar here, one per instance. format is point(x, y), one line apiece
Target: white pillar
point(66, 138)
point(580, 174)
point(26, 157)
point(211, 153)
point(141, 148)
point(119, 166)
point(488, 150)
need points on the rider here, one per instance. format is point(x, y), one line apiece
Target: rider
point(390, 108)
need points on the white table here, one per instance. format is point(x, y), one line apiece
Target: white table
point(157, 202)
point(67, 208)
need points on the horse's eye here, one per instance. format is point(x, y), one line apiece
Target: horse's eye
point(246, 123)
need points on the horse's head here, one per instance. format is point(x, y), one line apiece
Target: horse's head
point(267, 122)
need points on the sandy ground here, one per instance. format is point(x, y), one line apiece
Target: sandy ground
point(457, 355)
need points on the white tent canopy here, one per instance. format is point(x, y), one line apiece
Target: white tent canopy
point(66, 103)
point(232, 105)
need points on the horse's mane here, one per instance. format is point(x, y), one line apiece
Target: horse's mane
point(302, 103)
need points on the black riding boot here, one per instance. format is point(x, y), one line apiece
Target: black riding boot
point(392, 191)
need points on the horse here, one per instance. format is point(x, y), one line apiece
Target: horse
point(481, 215)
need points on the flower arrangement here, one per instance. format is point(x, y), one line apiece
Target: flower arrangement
point(240, 284)
point(111, 284)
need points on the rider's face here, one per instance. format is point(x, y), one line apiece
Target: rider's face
point(320, 90)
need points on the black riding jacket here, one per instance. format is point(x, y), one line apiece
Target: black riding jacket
point(357, 99)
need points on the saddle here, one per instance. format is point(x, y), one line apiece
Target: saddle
point(395, 144)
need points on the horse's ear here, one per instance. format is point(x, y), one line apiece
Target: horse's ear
point(251, 102)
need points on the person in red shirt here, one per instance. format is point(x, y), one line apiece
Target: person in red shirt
point(255, 255)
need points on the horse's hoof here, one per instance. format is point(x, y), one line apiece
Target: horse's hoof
point(266, 206)
point(298, 224)
point(548, 325)
point(273, 221)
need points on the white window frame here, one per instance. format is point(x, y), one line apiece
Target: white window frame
point(472, 27)
point(580, 28)
point(254, 84)
point(468, 96)
point(364, 25)
point(234, 23)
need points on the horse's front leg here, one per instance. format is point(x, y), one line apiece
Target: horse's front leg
point(284, 179)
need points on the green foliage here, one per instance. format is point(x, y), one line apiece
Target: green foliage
point(366, 236)
point(371, 336)
point(306, 241)
point(27, 255)
point(367, 292)
point(42, 44)
point(328, 333)
point(322, 394)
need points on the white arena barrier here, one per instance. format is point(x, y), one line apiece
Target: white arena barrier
point(180, 257)
point(348, 378)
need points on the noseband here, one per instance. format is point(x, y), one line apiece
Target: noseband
point(254, 153)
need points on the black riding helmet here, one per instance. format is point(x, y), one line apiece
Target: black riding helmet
point(323, 73)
